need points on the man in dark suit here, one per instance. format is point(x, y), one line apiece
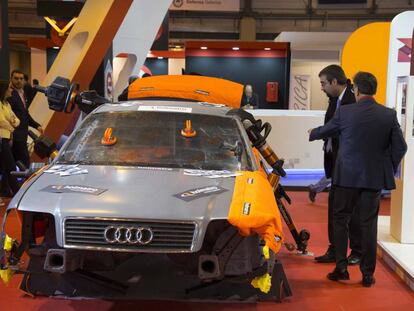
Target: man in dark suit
point(34, 90)
point(29, 90)
point(339, 91)
point(250, 100)
point(371, 146)
point(19, 104)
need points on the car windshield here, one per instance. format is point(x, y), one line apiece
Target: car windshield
point(148, 138)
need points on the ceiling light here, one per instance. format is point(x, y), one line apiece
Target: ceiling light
point(267, 49)
point(178, 46)
point(56, 47)
point(160, 57)
point(235, 48)
point(203, 48)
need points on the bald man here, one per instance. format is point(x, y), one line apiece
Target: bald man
point(250, 99)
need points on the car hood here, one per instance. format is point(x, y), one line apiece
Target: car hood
point(131, 193)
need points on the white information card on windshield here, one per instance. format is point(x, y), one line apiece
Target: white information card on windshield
point(165, 108)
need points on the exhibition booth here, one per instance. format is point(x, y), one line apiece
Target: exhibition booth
point(106, 50)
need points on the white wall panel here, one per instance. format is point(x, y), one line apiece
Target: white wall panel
point(135, 37)
point(38, 64)
point(289, 137)
point(175, 65)
point(319, 100)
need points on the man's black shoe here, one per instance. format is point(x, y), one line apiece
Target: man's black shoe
point(312, 194)
point(328, 257)
point(353, 260)
point(338, 275)
point(368, 280)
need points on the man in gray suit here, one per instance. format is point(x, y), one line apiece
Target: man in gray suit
point(371, 146)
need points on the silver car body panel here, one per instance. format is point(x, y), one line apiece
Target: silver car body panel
point(132, 194)
point(135, 193)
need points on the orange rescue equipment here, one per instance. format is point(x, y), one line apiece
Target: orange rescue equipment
point(197, 88)
point(188, 131)
point(108, 139)
point(254, 210)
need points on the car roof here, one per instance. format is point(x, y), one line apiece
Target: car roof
point(172, 106)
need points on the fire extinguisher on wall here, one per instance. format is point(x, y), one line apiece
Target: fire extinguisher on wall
point(272, 92)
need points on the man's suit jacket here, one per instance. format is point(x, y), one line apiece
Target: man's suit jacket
point(21, 112)
point(371, 145)
point(253, 100)
point(330, 156)
point(29, 92)
point(124, 95)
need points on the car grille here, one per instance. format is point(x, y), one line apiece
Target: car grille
point(167, 236)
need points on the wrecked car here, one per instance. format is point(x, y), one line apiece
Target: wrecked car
point(155, 199)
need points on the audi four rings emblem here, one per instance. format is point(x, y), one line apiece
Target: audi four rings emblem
point(128, 235)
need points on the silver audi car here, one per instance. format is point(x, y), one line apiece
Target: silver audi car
point(136, 204)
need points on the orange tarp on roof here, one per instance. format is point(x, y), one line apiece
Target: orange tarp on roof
point(198, 88)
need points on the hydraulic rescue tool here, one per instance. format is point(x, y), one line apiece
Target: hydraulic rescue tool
point(64, 96)
point(254, 129)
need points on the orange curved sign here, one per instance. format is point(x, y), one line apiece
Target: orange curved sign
point(197, 88)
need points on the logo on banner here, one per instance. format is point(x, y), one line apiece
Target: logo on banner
point(178, 3)
point(206, 5)
point(108, 80)
point(404, 53)
point(299, 92)
point(109, 85)
point(400, 53)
